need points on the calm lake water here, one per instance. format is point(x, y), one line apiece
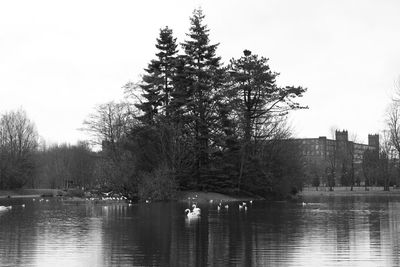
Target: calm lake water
point(356, 231)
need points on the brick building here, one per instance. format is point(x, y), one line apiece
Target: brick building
point(338, 160)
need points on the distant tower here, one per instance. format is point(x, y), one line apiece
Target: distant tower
point(343, 155)
point(373, 140)
point(341, 135)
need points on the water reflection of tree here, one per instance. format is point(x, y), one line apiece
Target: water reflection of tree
point(393, 230)
point(14, 243)
point(141, 236)
point(344, 223)
point(343, 228)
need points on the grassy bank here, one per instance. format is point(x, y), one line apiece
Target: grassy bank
point(20, 193)
point(345, 191)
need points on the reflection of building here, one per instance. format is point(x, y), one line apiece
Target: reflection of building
point(340, 158)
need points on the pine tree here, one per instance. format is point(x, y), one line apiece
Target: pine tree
point(202, 78)
point(260, 100)
point(157, 83)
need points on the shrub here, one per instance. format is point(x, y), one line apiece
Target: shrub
point(76, 192)
point(157, 185)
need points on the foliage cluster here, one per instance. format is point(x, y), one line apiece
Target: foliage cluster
point(18, 144)
point(65, 166)
point(193, 123)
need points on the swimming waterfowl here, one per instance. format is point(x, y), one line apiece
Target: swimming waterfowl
point(194, 213)
point(196, 210)
point(191, 214)
point(4, 208)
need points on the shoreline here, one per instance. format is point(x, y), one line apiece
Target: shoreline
point(29, 193)
point(345, 191)
point(182, 196)
point(205, 197)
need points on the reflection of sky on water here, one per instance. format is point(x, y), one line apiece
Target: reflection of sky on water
point(356, 234)
point(75, 243)
point(339, 232)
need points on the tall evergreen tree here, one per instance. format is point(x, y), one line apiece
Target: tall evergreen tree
point(260, 100)
point(202, 75)
point(157, 83)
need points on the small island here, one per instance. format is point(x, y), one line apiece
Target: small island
point(193, 123)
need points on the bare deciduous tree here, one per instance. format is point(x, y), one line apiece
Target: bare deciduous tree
point(18, 142)
point(109, 123)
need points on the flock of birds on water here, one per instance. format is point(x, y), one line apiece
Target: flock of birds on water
point(6, 208)
point(196, 211)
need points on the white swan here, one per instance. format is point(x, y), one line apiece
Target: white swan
point(196, 210)
point(194, 213)
point(4, 208)
point(191, 214)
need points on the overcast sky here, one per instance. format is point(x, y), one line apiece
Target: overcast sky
point(59, 59)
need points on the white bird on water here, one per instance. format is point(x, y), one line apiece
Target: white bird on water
point(191, 214)
point(4, 208)
point(194, 213)
point(196, 209)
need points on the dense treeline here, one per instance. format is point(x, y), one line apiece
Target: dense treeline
point(65, 166)
point(18, 144)
point(189, 123)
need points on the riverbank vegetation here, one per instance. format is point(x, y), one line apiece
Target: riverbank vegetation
point(190, 123)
